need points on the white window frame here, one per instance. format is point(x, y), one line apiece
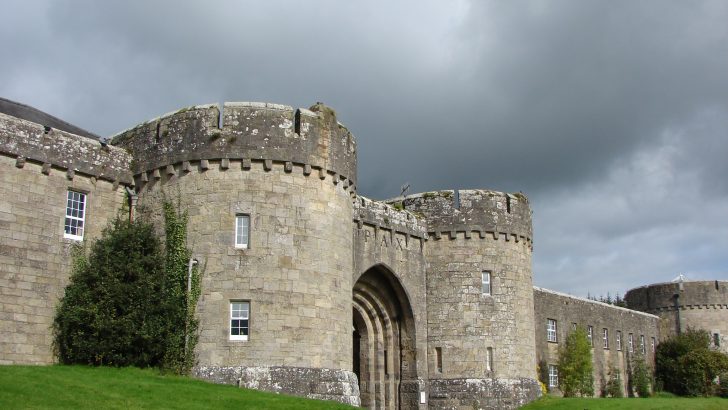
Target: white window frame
point(553, 376)
point(590, 335)
point(241, 314)
point(643, 347)
point(605, 338)
point(619, 340)
point(630, 342)
point(75, 215)
point(551, 328)
point(242, 231)
point(653, 344)
point(486, 283)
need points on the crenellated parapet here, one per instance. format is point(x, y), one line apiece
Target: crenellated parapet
point(311, 139)
point(390, 217)
point(60, 150)
point(679, 295)
point(473, 212)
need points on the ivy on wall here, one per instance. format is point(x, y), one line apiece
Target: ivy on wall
point(129, 302)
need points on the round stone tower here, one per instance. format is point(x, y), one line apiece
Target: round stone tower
point(268, 190)
point(479, 298)
point(686, 304)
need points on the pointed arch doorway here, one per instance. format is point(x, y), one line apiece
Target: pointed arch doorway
point(383, 340)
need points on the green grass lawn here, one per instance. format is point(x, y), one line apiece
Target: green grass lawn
point(652, 403)
point(78, 387)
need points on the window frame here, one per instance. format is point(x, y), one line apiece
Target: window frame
point(489, 359)
point(553, 376)
point(619, 340)
point(551, 333)
point(630, 343)
point(643, 346)
point(590, 335)
point(486, 274)
point(231, 318)
point(70, 200)
point(245, 229)
point(605, 338)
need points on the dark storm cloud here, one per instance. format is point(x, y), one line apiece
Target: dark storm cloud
point(611, 115)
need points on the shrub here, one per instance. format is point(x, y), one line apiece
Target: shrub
point(575, 365)
point(640, 375)
point(127, 303)
point(687, 366)
point(614, 384)
point(110, 313)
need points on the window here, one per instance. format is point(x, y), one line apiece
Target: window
point(242, 231)
point(551, 330)
point(75, 213)
point(489, 359)
point(653, 345)
point(619, 340)
point(486, 282)
point(590, 335)
point(716, 339)
point(553, 376)
point(239, 316)
point(630, 343)
point(438, 359)
point(573, 326)
point(605, 338)
point(642, 344)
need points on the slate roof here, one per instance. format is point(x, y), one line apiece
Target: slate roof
point(28, 113)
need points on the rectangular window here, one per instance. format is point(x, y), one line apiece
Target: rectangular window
point(642, 344)
point(239, 318)
point(489, 359)
point(716, 339)
point(605, 338)
point(486, 282)
point(619, 340)
point(242, 231)
point(653, 345)
point(551, 330)
point(75, 214)
point(590, 335)
point(438, 359)
point(553, 376)
point(630, 343)
point(573, 326)
point(386, 362)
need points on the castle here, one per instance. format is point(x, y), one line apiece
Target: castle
point(309, 288)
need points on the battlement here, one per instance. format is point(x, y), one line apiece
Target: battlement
point(245, 131)
point(483, 211)
point(668, 296)
point(52, 148)
point(388, 216)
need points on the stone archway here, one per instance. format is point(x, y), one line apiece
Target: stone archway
point(384, 341)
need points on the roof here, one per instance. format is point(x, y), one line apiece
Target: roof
point(37, 116)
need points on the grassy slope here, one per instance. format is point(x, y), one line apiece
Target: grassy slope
point(653, 403)
point(77, 387)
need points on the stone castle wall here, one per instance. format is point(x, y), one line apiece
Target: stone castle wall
point(405, 274)
point(479, 346)
point(39, 166)
point(569, 311)
point(296, 272)
point(680, 305)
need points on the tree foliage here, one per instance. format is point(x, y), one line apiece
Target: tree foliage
point(127, 302)
point(686, 365)
point(639, 375)
point(110, 313)
point(614, 383)
point(575, 365)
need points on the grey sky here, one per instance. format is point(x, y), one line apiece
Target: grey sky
point(612, 116)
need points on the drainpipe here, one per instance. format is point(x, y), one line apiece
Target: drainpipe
point(190, 264)
point(133, 198)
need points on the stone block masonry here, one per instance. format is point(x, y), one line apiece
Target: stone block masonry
point(424, 301)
